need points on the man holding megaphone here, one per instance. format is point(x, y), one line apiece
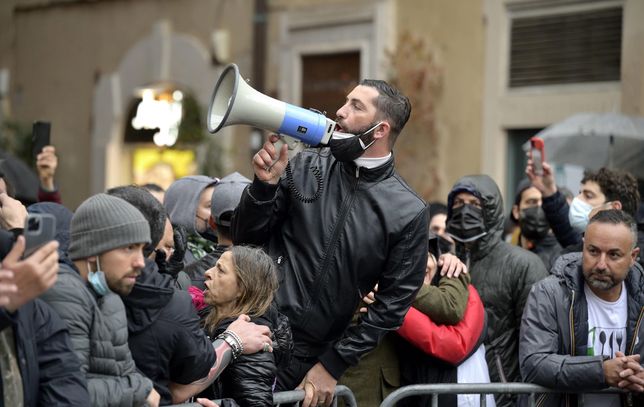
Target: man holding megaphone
point(364, 225)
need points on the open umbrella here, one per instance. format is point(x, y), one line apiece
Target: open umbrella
point(595, 140)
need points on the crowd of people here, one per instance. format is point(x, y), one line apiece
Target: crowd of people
point(326, 268)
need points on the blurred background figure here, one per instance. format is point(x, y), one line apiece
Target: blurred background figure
point(533, 232)
point(437, 225)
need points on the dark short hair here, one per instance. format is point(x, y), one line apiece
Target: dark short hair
point(153, 211)
point(616, 185)
point(616, 217)
point(150, 186)
point(437, 208)
point(523, 186)
point(392, 106)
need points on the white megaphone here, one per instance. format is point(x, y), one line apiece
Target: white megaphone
point(235, 102)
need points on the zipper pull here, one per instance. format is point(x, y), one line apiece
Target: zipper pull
point(280, 260)
point(357, 171)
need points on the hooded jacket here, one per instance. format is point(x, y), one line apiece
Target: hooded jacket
point(98, 330)
point(165, 338)
point(367, 226)
point(554, 355)
point(503, 275)
point(181, 201)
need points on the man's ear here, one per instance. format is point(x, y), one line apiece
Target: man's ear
point(90, 262)
point(515, 212)
point(382, 130)
point(634, 253)
point(616, 205)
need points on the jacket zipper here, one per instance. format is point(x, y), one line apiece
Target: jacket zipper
point(571, 318)
point(635, 334)
point(332, 243)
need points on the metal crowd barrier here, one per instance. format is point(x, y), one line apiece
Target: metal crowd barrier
point(295, 396)
point(468, 388)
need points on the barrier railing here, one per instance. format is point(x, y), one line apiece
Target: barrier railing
point(295, 396)
point(482, 389)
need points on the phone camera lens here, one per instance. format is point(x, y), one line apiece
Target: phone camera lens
point(33, 224)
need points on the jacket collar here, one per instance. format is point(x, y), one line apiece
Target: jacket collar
point(384, 171)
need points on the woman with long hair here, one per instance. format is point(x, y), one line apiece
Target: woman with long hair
point(244, 281)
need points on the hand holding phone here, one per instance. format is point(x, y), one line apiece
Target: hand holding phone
point(537, 154)
point(40, 228)
point(40, 137)
point(12, 212)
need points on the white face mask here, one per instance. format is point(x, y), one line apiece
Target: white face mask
point(578, 214)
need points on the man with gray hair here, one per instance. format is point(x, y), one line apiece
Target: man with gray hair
point(107, 239)
point(581, 328)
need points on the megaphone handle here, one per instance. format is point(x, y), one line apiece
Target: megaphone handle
point(296, 193)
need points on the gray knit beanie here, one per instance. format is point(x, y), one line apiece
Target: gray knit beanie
point(103, 223)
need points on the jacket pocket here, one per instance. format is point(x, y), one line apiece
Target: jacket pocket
point(389, 381)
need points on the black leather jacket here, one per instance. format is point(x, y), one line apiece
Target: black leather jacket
point(367, 227)
point(249, 379)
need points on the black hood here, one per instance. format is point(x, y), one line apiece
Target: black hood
point(484, 188)
point(150, 294)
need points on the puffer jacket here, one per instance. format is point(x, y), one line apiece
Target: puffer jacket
point(98, 329)
point(553, 355)
point(249, 379)
point(503, 275)
point(367, 226)
point(165, 338)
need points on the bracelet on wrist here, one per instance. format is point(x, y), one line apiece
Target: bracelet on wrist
point(233, 341)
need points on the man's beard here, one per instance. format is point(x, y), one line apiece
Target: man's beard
point(604, 284)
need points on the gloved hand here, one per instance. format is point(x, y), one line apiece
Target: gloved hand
point(174, 264)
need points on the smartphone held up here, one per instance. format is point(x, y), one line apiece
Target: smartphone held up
point(40, 229)
point(40, 137)
point(537, 154)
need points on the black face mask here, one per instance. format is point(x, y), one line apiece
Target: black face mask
point(533, 223)
point(347, 149)
point(208, 234)
point(466, 224)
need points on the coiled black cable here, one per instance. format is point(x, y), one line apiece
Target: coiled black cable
point(296, 193)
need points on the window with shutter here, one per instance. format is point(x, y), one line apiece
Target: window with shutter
point(576, 47)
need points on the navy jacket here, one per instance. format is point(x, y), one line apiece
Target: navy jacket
point(51, 374)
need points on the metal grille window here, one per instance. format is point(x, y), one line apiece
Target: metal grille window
point(566, 48)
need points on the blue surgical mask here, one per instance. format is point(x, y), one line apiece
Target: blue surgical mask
point(578, 214)
point(97, 279)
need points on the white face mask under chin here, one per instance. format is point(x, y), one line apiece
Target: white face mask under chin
point(578, 214)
